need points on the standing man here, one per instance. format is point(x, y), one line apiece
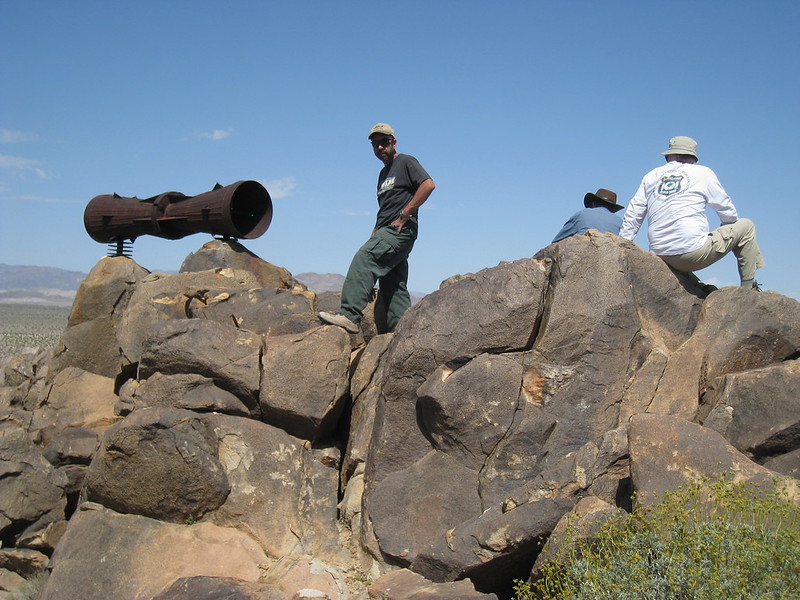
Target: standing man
point(598, 214)
point(403, 185)
point(674, 198)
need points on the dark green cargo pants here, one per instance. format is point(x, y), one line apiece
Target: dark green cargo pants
point(383, 258)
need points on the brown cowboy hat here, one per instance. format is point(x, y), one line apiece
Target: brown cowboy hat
point(607, 197)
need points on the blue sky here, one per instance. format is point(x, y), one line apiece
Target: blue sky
point(516, 109)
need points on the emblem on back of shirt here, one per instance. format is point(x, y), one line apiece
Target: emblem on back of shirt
point(670, 184)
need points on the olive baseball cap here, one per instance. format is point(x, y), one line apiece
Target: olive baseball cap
point(681, 144)
point(381, 128)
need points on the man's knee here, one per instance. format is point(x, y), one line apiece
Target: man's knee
point(744, 227)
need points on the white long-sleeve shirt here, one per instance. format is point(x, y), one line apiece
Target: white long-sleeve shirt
point(674, 199)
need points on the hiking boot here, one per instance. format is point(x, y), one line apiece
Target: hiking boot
point(751, 284)
point(340, 320)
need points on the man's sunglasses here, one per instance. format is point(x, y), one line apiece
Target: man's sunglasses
point(385, 142)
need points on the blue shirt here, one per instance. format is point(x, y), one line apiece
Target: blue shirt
point(599, 218)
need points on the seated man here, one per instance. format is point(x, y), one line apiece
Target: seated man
point(674, 199)
point(598, 214)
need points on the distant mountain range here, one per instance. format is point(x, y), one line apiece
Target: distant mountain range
point(321, 282)
point(332, 282)
point(23, 284)
point(49, 286)
point(28, 277)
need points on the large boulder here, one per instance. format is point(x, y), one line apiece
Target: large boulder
point(161, 297)
point(283, 493)
point(414, 506)
point(33, 492)
point(737, 330)
point(364, 392)
point(583, 521)
point(611, 310)
point(24, 377)
point(189, 391)
point(485, 391)
point(104, 554)
point(268, 311)
point(667, 452)
point(159, 463)
point(75, 398)
point(181, 467)
point(226, 355)
point(231, 254)
point(509, 371)
point(500, 544)
point(304, 381)
point(758, 412)
point(91, 339)
point(493, 548)
point(496, 310)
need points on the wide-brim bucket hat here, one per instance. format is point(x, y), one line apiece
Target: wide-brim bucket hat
point(681, 144)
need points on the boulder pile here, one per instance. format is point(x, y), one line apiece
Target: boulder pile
point(202, 435)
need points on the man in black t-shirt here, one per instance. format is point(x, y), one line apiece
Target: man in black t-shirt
point(403, 185)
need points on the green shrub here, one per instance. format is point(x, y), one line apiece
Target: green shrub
point(702, 541)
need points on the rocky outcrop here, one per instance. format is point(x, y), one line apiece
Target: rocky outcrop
point(230, 254)
point(667, 452)
point(202, 434)
point(758, 413)
point(33, 494)
point(107, 554)
point(215, 588)
point(407, 585)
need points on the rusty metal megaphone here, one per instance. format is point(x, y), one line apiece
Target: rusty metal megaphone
point(239, 210)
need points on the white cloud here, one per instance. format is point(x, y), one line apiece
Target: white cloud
point(29, 198)
point(19, 164)
point(717, 282)
point(218, 134)
point(280, 188)
point(8, 136)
